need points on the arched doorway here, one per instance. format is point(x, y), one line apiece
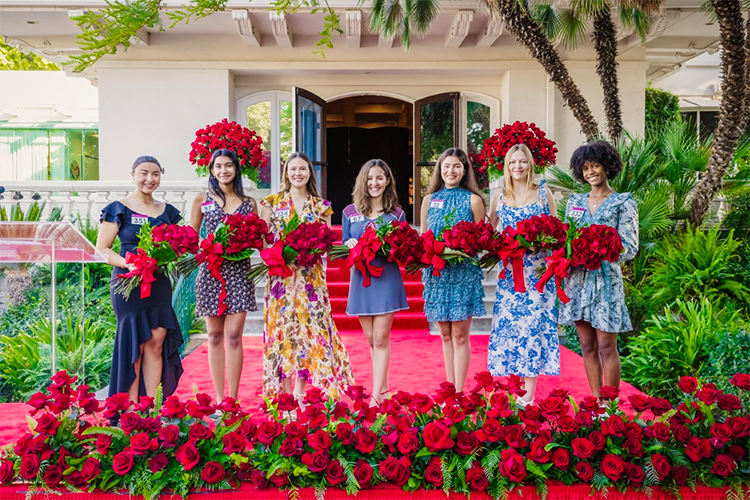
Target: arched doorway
point(363, 127)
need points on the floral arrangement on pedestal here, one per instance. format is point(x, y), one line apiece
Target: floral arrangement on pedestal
point(228, 135)
point(461, 442)
point(492, 157)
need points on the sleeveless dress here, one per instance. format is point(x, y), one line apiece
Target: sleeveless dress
point(523, 340)
point(386, 293)
point(136, 317)
point(240, 290)
point(599, 296)
point(300, 337)
point(456, 294)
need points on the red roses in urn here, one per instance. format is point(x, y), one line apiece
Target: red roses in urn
point(245, 143)
point(497, 145)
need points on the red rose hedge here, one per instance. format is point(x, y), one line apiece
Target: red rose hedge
point(462, 442)
point(492, 157)
point(246, 144)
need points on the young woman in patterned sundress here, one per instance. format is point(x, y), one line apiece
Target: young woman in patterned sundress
point(455, 296)
point(523, 340)
point(225, 196)
point(300, 338)
point(597, 298)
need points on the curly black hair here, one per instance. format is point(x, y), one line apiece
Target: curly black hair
point(601, 152)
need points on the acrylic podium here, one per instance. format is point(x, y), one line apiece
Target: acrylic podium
point(53, 243)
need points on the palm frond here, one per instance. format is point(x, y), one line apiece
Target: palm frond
point(587, 8)
point(546, 15)
point(572, 28)
point(423, 13)
point(562, 179)
point(654, 212)
point(635, 19)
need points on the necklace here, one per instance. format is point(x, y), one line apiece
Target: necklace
point(601, 197)
point(142, 201)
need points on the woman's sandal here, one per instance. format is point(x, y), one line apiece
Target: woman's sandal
point(300, 397)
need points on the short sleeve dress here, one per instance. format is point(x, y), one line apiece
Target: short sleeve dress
point(456, 294)
point(300, 337)
point(523, 340)
point(386, 293)
point(136, 317)
point(240, 290)
point(598, 297)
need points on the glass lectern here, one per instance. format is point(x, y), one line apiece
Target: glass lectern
point(25, 243)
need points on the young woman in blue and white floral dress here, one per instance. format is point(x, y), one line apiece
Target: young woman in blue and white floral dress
point(523, 340)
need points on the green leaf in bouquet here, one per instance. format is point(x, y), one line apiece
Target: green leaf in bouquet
point(163, 253)
point(291, 225)
point(221, 235)
point(145, 240)
point(245, 254)
point(289, 254)
point(449, 222)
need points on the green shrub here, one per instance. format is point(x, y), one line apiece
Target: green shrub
point(662, 107)
point(26, 358)
point(738, 215)
point(728, 353)
point(672, 346)
point(698, 264)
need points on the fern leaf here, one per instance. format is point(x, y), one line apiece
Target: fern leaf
point(109, 431)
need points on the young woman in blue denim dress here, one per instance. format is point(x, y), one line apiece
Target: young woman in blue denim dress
point(455, 296)
point(597, 298)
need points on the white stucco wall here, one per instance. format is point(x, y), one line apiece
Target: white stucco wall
point(156, 112)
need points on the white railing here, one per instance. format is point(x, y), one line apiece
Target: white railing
point(89, 197)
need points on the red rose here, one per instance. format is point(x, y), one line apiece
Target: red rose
point(90, 469)
point(741, 380)
point(584, 471)
point(365, 440)
point(633, 430)
point(169, 435)
point(200, 432)
point(561, 458)
point(723, 466)
point(158, 462)
point(421, 403)
point(584, 419)
point(634, 447)
point(437, 436)
point(53, 476)
point(613, 467)
point(582, 448)
point(475, 477)
point(269, 431)
point(408, 441)
point(141, 443)
point(661, 465)
point(698, 448)
point(335, 473)
point(660, 406)
point(729, 402)
point(688, 385)
point(188, 455)
point(130, 422)
point(213, 472)
point(233, 443)
point(658, 431)
point(538, 453)
point(552, 407)
point(122, 462)
point(598, 440)
point(29, 466)
point(639, 402)
point(363, 472)
point(613, 426)
point(345, 433)
point(47, 424)
point(466, 443)
point(609, 392)
point(635, 474)
point(317, 461)
point(103, 442)
point(708, 394)
point(721, 433)
point(512, 466)
point(484, 379)
point(514, 436)
point(568, 424)
point(681, 433)
point(6, 471)
point(740, 426)
point(394, 470)
point(433, 473)
point(736, 452)
point(492, 430)
point(680, 475)
point(291, 447)
point(320, 440)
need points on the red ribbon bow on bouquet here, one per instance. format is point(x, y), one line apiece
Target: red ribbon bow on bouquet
point(432, 250)
point(212, 254)
point(362, 255)
point(145, 267)
point(512, 252)
point(557, 266)
point(274, 260)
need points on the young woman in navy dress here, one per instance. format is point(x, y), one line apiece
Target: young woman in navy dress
point(148, 337)
point(455, 296)
point(375, 202)
point(597, 298)
point(225, 196)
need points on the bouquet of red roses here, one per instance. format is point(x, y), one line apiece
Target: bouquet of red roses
point(301, 243)
point(455, 244)
point(497, 145)
point(235, 239)
point(532, 234)
point(246, 144)
point(157, 247)
point(397, 241)
point(588, 247)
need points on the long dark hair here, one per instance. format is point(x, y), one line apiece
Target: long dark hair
point(468, 181)
point(213, 182)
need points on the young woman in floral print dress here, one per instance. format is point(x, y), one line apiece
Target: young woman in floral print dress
point(300, 338)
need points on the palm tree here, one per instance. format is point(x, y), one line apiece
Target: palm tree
point(733, 108)
point(393, 18)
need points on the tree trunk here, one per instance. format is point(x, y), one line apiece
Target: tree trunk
point(605, 45)
point(527, 32)
point(732, 107)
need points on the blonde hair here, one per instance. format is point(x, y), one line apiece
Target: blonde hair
point(508, 181)
point(468, 181)
point(312, 185)
point(362, 198)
